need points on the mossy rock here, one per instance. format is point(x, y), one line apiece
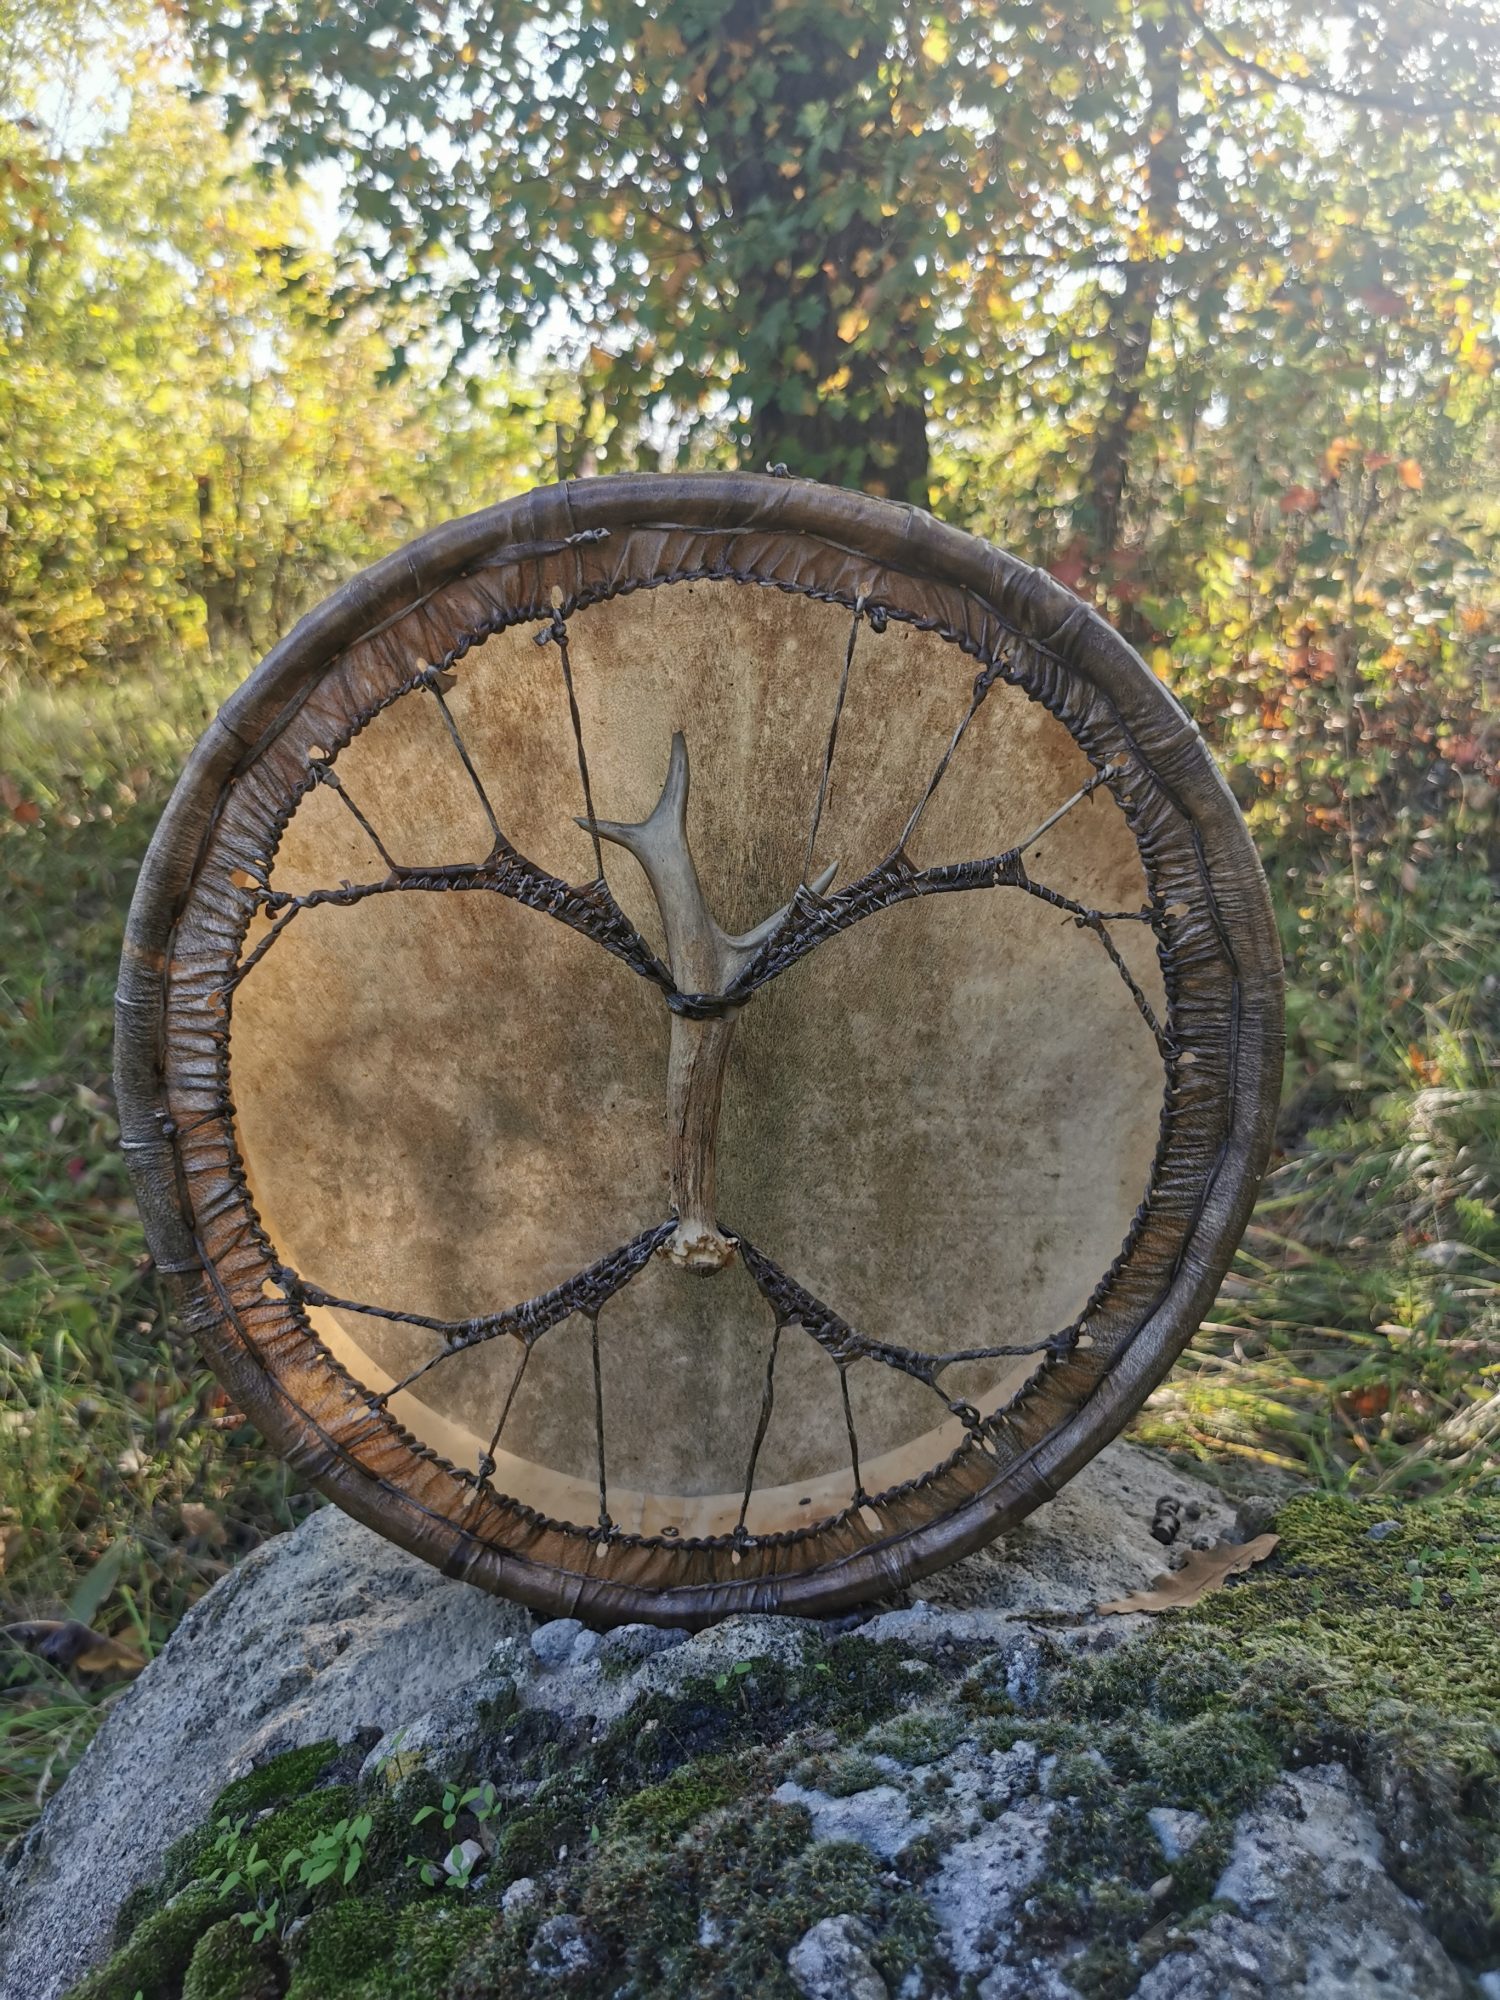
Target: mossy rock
point(363, 1949)
point(663, 1811)
point(656, 1846)
point(159, 1952)
point(289, 1776)
point(227, 1965)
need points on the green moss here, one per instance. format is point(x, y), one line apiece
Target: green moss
point(665, 1810)
point(533, 1837)
point(158, 1953)
point(363, 1949)
point(185, 1860)
point(840, 1775)
point(283, 1778)
point(297, 1824)
point(432, 1940)
point(226, 1966)
point(1384, 1655)
point(846, 1687)
point(919, 1737)
point(1413, 1618)
point(341, 1947)
point(1219, 1761)
point(716, 1913)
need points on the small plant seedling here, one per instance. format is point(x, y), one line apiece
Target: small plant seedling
point(479, 1800)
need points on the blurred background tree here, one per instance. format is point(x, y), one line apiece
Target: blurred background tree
point(190, 444)
point(1197, 305)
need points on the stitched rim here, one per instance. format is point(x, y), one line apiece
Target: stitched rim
point(362, 649)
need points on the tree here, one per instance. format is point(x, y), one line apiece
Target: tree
point(806, 224)
point(188, 452)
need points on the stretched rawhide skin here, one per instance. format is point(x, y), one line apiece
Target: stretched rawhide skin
point(697, 1043)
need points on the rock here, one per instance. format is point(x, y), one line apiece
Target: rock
point(1176, 1831)
point(879, 1818)
point(1382, 1530)
point(1231, 1960)
point(321, 1633)
point(446, 1736)
point(1319, 1918)
point(1036, 1980)
point(331, 1632)
point(518, 1896)
point(832, 1962)
point(1092, 1543)
point(982, 1880)
point(461, 1860)
point(628, 1645)
point(553, 1642)
point(563, 1950)
point(1443, 1256)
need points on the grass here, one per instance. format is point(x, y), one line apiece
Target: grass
point(127, 1485)
point(1356, 1342)
point(1355, 1348)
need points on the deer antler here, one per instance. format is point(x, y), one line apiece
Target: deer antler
point(704, 959)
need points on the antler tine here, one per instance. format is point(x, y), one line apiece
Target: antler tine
point(707, 960)
point(749, 942)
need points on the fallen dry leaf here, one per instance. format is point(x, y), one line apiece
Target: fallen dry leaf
point(202, 1521)
point(1204, 1571)
point(66, 1643)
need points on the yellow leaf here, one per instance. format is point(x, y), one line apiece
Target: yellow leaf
point(935, 42)
point(852, 324)
point(1410, 474)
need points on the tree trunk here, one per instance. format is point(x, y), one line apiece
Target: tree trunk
point(878, 441)
point(1132, 320)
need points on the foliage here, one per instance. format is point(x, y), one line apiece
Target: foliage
point(810, 222)
point(191, 448)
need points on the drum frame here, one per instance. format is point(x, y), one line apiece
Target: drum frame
point(187, 923)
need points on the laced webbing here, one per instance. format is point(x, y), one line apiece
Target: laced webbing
point(811, 918)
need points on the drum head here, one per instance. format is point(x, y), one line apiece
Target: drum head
point(417, 1071)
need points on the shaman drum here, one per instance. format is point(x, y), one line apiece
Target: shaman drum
point(697, 1043)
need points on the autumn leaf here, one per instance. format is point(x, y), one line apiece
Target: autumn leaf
point(1298, 500)
point(1205, 1571)
point(1363, 1405)
point(1410, 474)
point(202, 1522)
point(67, 1644)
